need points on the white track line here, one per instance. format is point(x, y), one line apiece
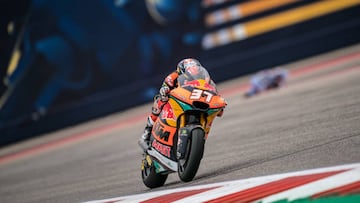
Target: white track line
point(229, 187)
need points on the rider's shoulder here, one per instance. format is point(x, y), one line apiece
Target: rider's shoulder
point(173, 75)
point(170, 79)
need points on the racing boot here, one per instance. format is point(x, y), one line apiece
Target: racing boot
point(145, 137)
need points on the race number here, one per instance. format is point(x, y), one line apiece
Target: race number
point(197, 94)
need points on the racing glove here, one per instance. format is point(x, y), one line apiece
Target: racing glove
point(164, 91)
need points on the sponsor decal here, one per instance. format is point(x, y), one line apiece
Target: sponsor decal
point(160, 132)
point(196, 83)
point(163, 133)
point(193, 83)
point(210, 87)
point(168, 113)
point(163, 149)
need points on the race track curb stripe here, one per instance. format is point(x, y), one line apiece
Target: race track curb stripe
point(305, 185)
point(342, 190)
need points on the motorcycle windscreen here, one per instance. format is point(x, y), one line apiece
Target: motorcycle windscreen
point(197, 77)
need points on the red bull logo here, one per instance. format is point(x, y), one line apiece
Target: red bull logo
point(193, 83)
point(168, 113)
point(196, 83)
point(210, 87)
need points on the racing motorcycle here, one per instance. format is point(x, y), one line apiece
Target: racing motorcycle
point(178, 136)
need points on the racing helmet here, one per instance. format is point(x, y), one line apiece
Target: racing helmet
point(187, 63)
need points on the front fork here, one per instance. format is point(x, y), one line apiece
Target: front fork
point(184, 137)
point(188, 122)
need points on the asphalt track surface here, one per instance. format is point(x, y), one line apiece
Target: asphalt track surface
point(312, 122)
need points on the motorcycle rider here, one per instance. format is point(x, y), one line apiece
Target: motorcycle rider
point(266, 80)
point(161, 99)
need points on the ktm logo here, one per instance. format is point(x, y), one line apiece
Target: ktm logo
point(160, 132)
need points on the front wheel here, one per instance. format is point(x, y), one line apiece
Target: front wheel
point(188, 166)
point(149, 176)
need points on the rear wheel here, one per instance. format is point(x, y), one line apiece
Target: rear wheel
point(188, 166)
point(149, 176)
